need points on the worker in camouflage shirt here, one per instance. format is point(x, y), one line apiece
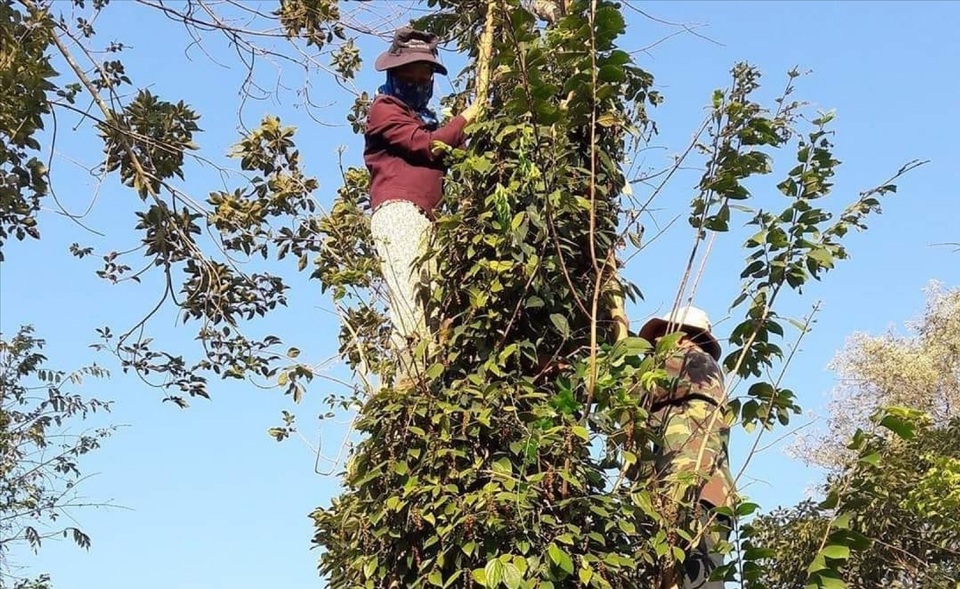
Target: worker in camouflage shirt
point(690, 419)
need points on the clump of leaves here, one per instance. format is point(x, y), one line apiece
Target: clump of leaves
point(316, 21)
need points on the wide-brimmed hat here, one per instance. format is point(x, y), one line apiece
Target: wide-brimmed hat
point(410, 45)
point(690, 320)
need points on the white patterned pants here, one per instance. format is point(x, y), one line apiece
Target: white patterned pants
point(400, 233)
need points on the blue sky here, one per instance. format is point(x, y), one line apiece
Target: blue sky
point(207, 500)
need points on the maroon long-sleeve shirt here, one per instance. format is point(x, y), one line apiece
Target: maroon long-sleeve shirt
point(399, 154)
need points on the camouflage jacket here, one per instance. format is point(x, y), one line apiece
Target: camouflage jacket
point(692, 421)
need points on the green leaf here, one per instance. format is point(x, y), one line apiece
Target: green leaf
point(855, 540)
point(642, 500)
point(511, 576)
point(434, 371)
point(832, 582)
point(480, 164)
point(581, 432)
point(500, 266)
point(758, 553)
point(584, 575)
point(503, 466)
point(746, 508)
point(560, 322)
point(830, 501)
point(753, 268)
point(506, 353)
point(842, 521)
point(825, 579)
point(453, 578)
point(678, 553)
point(494, 573)
point(631, 346)
point(822, 257)
point(560, 558)
point(903, 428)
point(818, 564)
point(836, 551)
point(668, 342)
point(521, 564)
point(608, 119)
point(611, 74)
point(479, 576)
point(618, 57)
point(370, 567)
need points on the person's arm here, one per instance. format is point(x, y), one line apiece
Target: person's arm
point(469, 114)
point(405, 132)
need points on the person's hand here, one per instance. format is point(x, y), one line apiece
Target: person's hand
point(471, 113)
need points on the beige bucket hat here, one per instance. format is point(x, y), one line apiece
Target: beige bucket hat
point(690, 320)
point(410, 45)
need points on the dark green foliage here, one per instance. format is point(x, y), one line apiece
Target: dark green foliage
point(25, 86)
point(888, 520)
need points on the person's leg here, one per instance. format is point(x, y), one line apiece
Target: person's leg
point(399, 232)
point(704, 559)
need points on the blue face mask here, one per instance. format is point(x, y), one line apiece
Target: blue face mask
point(416, 96)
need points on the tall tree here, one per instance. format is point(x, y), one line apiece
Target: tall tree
point(40, 451)
point(507, 466)
point(887, 519)
point(919, 369)
point(892, 450)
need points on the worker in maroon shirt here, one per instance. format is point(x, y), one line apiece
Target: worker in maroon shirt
point(406, 182)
